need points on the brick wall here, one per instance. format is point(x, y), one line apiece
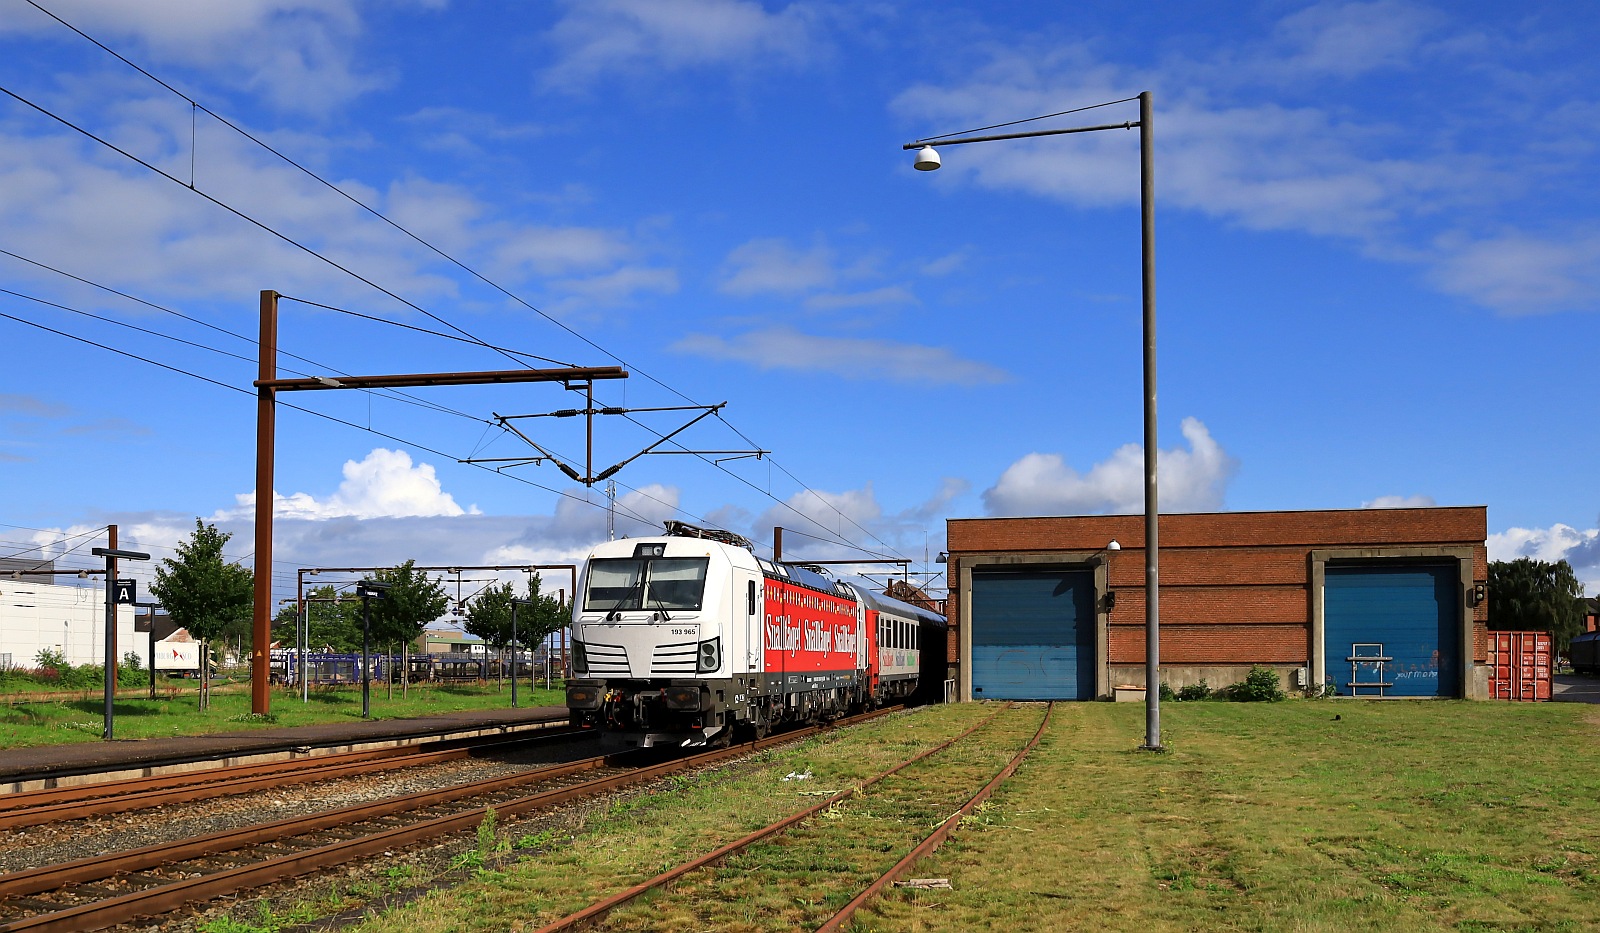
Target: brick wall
point(1235, 586)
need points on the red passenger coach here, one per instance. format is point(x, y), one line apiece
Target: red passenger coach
point(686, 638)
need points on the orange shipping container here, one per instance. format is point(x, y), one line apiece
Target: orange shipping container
point(1519, 666)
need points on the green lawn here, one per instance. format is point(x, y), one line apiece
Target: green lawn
point(1303, 816)
point(80, 717)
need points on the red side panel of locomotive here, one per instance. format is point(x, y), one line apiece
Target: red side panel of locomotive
point(806, 631)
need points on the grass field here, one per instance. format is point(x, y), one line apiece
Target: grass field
point(79, 718)
point(1303, 816)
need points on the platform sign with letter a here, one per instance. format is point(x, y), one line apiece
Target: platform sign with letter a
point(127, 592)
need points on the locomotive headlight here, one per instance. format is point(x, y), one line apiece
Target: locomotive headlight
point(580, 658)
point(710, 656)
point(684, 698)
point(582, 697)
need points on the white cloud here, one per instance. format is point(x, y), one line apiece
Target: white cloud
point(463, 132)
point(822, 518)
point(1400, 502)
point(32, 406)
point(876, 297)
point(1193, 480)
point(1578, 547)
point(83, 212)
point(946, 264)
point(772, 265)
point(308, 64)
point(849, 358)
point(823, 512)
point(1262, 165)
point(80, 212)
point(617, 288)
point(384, 484)
point(1518, 273)
point(1419, 195)
point(1349, 39)
point(578, 524)
point(597, 37)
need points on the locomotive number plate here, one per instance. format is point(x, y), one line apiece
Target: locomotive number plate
point(685, 631)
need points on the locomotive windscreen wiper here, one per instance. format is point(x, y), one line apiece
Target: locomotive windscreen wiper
point(660, 606)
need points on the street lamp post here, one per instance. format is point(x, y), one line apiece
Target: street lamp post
point(928, 160)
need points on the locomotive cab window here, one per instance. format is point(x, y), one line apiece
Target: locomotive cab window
point(635, 583)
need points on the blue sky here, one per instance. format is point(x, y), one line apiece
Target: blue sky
point(1377, 262)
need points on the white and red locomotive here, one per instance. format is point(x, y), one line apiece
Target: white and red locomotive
point(687, 638)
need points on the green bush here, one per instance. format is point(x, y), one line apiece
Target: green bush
point(1261, 685)
point(1196, 691)
point(52, 670)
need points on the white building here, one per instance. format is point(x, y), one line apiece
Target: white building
point(68, 619)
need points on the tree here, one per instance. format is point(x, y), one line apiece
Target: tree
point(412, 601)
point(203, 592)
point(334, 623)
point(489, 616)
point(1531, 595)
point(546, 617)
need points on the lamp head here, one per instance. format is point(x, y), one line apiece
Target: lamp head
point(927, 159)
point(1114, 545)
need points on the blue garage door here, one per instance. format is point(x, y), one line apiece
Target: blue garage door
point(1404, 623)
point(1033, 635)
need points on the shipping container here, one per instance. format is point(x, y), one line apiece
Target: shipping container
point(1519, 666)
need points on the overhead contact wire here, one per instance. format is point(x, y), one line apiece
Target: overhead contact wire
point(418, 239)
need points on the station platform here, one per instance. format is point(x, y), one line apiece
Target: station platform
point(48, 766)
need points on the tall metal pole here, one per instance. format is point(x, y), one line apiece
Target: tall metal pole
point(929, 161)
point(111, 554)
point(152, 608)
point(1152, 586)
point(514, 604)
point(111, 636)
point(111, 629)
point(366, 658)
point(304, 624)
point(266, 427)
point(302, 629)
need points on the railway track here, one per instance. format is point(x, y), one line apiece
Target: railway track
point(95, 893)
point(598, 911)
point(56, 805)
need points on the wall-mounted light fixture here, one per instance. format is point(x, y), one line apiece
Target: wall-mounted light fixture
point(1480, 592)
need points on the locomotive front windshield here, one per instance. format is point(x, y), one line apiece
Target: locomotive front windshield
point(633, 583)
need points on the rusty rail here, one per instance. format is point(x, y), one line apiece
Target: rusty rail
point(936, 838)
point(38, 807)
point(599, 909)
point(165, 898)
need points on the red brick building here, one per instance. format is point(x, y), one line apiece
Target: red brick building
point(1371, 601)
